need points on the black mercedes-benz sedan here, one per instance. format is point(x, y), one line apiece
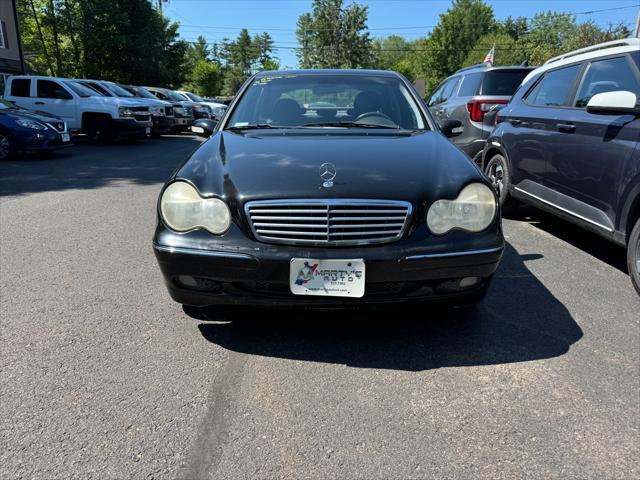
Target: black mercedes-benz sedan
point(328, 188)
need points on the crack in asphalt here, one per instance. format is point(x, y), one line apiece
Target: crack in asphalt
point(213, 432)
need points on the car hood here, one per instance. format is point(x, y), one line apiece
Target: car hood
point(416, 167)
point(32, 115)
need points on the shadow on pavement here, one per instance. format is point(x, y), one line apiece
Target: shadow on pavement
point(87, 166)
point(520, 320)
point(591, 243)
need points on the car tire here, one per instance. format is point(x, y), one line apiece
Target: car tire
point(633, 256)
point(7, 146)
point(100, 130)
point(499, 172)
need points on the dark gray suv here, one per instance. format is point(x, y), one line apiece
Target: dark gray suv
point(569, 143)
point(468, 95)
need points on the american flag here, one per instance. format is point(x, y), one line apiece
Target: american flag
point(490, 56)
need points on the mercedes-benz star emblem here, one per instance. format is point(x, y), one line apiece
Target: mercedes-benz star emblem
point(327, 173)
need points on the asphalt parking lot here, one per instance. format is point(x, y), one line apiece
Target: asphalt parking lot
point(103, 376)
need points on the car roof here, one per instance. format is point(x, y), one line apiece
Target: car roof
point(599, 50)
point(483, 67)
point(346, 71)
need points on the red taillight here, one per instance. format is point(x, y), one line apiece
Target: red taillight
point(478, 108)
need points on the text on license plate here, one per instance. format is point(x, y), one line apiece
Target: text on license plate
point(332, 278)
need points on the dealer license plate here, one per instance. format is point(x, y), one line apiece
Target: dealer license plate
point(66, 137)
point(148, 130)
point(331, 278)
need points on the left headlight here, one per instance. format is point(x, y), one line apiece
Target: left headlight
point(183, 209)
point(473, 210)
point(31, 124)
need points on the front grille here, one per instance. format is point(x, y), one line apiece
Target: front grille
point(328, 221)
point(58, 126)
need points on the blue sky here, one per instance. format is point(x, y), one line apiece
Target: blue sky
point(216, 19)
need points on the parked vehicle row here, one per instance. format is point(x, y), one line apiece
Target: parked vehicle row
point(105, 111)
point(568, 142)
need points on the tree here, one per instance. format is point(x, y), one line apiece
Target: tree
point(548, 34)
point(122, 40)
point(332, 36)
point(507, 51)
point(452, 39)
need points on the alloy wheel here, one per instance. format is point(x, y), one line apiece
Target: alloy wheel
point(5, 147)
point(496, 174)
point(638, 257)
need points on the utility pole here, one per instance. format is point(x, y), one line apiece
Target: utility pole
point(636, 32)
point(23, 70)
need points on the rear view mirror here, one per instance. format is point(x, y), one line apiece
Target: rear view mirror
point(614, 103)
point(204, 127)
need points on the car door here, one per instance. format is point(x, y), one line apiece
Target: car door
point(599, 147)
point(438, 102)
point(52, 97)
point(537, 128)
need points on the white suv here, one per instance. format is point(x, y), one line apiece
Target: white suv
point(103, 119)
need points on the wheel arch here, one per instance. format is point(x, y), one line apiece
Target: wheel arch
point(630, 211)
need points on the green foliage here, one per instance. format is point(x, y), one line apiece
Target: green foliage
point(334, 36)
point(121, 40)
point(507, 51)
point(452, 39)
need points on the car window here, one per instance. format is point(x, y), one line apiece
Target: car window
point(470, 84)
point(553, 88)
point(305, 100)
point(445, 92)
point(608, 75)
point(437, 95)
point(81, 90)
point(21, 87)
point(49, 89)
point(502, 82)
point(160, 95)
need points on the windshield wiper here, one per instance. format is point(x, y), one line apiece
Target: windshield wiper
point(351, 125)
point(255, 126)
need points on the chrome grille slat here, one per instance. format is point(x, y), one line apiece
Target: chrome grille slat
point(333, 222)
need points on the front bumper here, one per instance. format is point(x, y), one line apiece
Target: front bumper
point(182, 123)
point(41, 141)
point(162, 125)
point(247, 272)
point(130, 128)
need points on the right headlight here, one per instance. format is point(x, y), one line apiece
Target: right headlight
point(183, 209)
point(473, 210)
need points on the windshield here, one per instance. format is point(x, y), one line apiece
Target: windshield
point(81, 90)
point(193, 97)
point(175, 96)
point(116, 90)
point(307, 100)
point(142, 93)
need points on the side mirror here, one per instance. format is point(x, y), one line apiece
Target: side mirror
point(204, 127)
point(451, 128)
point(614, 103)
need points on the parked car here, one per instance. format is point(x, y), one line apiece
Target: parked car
point(468, 95)
point(162, 123)
point(182, 111)
point(22, 130)
point(197, 110)
point(217, 109)
point(103, 119)
point(284, 207)
point(569, 140)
